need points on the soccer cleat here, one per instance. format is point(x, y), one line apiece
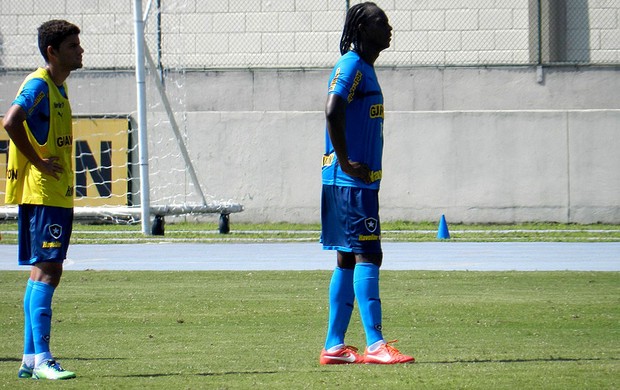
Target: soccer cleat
point(345, 355)
point(51, 370)
point(386, 354)
point(24, 372)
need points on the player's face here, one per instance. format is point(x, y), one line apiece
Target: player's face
point(378, 29)
point(70, 53)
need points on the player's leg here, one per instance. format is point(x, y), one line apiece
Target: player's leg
point(366, 285)
point(366, 282)
point(47, 276)
point(369, 257)
point(341, 294)
point(25, 370)
point(366, 243)
point(50, 235)
point(24, 255)
point(341, 301)
point(41, 311)
point(365, 230)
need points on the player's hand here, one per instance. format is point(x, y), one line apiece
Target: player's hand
point(356, 169)
point(50, 166)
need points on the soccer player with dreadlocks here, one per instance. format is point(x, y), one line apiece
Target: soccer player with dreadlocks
point(350, 198)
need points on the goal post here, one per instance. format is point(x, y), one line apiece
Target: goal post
point(141, 104)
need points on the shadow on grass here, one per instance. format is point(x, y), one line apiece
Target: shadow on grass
point(201, 374)
point(458, 361)
point(13, 359)
point(5, 359)
point(534, 360)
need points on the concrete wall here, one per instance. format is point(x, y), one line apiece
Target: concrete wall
point(503, 166)
point(305, 33)
point(479, 145)
point(473, 166)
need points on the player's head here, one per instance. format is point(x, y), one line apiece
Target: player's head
point(53, 33)
point(365, 24)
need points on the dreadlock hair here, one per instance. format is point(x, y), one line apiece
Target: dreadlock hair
point(356, 15)
point(53, 32)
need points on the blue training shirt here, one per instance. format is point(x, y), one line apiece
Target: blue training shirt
point(355, 81)
point(34, 100)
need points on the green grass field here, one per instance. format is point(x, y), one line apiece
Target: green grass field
point(264, 330)
point(288, 232)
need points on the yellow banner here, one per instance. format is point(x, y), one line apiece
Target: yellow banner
point(101, 158)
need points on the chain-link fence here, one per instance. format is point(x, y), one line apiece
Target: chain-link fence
point(220, 34)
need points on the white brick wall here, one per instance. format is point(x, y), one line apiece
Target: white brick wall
point(304, 33)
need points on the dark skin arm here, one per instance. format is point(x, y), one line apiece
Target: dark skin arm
point(335, 115)
point(14, 125)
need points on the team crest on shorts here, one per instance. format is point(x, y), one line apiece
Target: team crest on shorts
point(371, 224)
point(55, 231)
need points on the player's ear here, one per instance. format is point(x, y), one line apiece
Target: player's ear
point(50, 52)
point(363, 33)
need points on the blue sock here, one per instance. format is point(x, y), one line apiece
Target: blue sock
point(366, 284)
point(341, 299)
point(28, 340)
point(41, 315)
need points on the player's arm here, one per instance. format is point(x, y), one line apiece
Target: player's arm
point(335, 115)
point(13, 123)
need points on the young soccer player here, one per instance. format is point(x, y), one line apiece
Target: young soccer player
point(40, 181)
point(350, 198)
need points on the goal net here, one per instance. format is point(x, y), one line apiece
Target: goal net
point(108, 183)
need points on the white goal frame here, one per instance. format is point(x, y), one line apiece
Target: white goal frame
point(146, 209)
point(147, 214)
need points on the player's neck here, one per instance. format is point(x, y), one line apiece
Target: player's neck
point(57, 74)
point(368, 55)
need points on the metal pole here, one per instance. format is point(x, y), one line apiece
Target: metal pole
point(539, 32)
point(145, 201)
point(159, 53)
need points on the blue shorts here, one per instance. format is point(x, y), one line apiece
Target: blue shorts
point(43, 233)
point(350, 219)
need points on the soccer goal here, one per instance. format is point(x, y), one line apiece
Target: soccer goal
point(177, 164)
point(136, 167)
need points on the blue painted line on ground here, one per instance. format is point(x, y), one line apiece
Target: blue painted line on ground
point(445, 255)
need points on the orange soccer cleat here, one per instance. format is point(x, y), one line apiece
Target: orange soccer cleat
point(386, 354)
point(345, 355)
